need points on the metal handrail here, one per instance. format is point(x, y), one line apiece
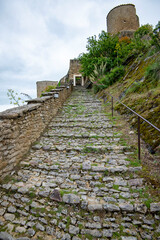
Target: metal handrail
point(139, 117)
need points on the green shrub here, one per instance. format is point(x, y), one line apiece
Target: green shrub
point(155, 35)
point(49, 88)
point(152, 73)
point(135, 87)
point(113, 76)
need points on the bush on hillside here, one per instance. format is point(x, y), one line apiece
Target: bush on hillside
point(112, 52)
point(152, 74)
point(113, 76)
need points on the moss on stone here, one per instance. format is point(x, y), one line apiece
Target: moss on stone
point(141, 95)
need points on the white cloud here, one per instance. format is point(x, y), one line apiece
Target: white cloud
point(38, 38)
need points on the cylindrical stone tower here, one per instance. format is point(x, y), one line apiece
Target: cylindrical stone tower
point(122, 18)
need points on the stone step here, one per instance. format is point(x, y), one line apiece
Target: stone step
point(90, 126)
point(82, 149)
point(91, 204)
point(72, 135)
point(78, 182)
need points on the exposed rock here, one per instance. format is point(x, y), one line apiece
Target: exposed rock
point(44, 193)
point(31, 232)
point(6, 236)
point(20, 229)
point(66, 237)
point(71, 198)
point(155, 207)
point(94, 233)
point(93, 225)
point(55, 195)
point(126, 207)
point(23, 238)
point(140, 208)
point(107, 233)
point(46, 148)
point(76, 238)
point(23, 190)
point(111, 207)
point(94, 207)
point(2, 211)
point(9, 216)
point(135, 182)
point(37, 147)
point(11, 209)
point(73, 230)
point(40, 227)
point(129, 238)
point(50, 230)
point(86, 165)
point(98, 168)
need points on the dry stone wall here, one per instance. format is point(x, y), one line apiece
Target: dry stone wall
point(21, 127)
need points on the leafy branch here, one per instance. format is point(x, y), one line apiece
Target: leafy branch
point(15, 98)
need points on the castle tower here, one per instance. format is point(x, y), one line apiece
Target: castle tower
point(123, 19)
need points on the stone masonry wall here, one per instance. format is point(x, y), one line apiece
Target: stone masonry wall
point(74, 68)
point(22, 126)
point(122, 18)
point(41, 86)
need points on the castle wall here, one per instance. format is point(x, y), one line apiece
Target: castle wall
point(122, 18)
point(74, 69)
point(41, 86)
point(22, 126)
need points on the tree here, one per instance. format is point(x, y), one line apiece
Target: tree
point(100, 50)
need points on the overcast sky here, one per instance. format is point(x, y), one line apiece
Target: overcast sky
point(39, 37)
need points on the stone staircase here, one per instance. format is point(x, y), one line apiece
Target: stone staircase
point(77, 183)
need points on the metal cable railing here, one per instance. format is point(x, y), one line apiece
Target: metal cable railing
point(139, 117)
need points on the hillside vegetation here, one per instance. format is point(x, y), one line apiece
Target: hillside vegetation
point(130, 70)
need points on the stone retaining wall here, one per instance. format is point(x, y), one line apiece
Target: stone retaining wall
point(20, 127)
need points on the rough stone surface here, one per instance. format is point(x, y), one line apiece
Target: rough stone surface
point(94, 207)
point(71, 198)
point(155, 207)
point(73, 230)
point(6, 236)
point(78, 184)
point(122, 18)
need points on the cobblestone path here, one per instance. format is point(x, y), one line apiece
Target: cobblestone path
point(77, 183)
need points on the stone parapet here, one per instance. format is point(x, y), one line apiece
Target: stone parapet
point(20, 127)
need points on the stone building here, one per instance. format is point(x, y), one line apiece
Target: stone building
point(74, 75)
point(41, 86)
point(123, 19)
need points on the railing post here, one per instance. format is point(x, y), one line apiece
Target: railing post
point(139, 143)
point(112, 106)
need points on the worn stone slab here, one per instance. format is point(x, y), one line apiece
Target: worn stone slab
point(71, 198)
point(155, 207)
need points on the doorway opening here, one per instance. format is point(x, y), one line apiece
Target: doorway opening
point(78, 80)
